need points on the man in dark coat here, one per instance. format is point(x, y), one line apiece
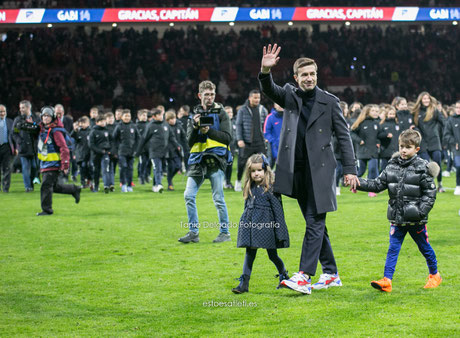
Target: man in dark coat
point(305, 168)
point(250, 120)
point(7, 149)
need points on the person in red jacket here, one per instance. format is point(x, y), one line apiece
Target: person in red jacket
point(54, 157)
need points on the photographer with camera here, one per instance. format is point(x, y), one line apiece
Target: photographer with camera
point(208, 134)
point(27, 144)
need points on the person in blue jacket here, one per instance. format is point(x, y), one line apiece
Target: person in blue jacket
point(272, 131)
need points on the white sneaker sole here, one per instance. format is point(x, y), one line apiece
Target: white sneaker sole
point(295, 287)
point(321, 286)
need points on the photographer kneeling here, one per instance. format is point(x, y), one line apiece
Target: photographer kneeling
point(208, 135)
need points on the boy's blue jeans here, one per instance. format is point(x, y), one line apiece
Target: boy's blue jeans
point(29, 170)
point(126, 169)
point(217, 186)
point(420, 236)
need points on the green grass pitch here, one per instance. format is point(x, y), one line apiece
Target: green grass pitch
point(112, 266)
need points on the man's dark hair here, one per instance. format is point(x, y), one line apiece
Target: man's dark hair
point(185, 108)
point(254, 91)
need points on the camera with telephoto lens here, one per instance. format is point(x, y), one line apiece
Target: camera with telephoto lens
point(205, 119)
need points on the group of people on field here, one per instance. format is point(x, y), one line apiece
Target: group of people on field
point(317, 143)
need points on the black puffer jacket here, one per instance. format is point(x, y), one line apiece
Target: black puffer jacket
point(411, 188)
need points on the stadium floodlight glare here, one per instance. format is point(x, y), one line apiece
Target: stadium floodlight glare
point(114, 24)
point(231, 23)
point(49, 25)
point(171, 24)
point(455, 23)
point(347, 23)
point(290, 23)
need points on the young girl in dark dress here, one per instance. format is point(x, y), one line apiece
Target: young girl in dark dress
point(262, 224)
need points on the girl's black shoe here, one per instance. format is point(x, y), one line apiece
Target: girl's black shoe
point(243, 286)
point(282, 277)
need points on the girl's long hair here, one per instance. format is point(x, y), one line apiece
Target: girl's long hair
point(363, 115)
point(386, 115)
point(268, 180)
point(396, 101)
point(429, 110)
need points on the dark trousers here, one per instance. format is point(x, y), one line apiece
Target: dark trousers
point(174, 165)
point(228, 173)
point(6, 165)
point(420, 237)
point(245, 153)
point(85, 171)
point(126, 169)
point(50, 184)
point(373, 171)
point(457, 167)
point(338, 172)
point(316, 244)
point(157, 164)
point(435, 155)
point(142, 172)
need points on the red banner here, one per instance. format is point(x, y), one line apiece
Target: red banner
point(8, 15)
point(157, 14)
point(343, 14)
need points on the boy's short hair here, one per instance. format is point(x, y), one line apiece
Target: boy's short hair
point(205, 85)
point(410, 137)
point(83, 119)
point(155, 111)
point(107, 115)
point(100, 117)
point(169, 115)
point(142, 111)
point(126, 111)
point(302, 62)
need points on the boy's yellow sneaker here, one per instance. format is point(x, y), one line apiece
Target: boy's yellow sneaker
point(383, 284)
point(433, 281)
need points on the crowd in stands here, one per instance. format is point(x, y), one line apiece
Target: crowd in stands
point(141, 68)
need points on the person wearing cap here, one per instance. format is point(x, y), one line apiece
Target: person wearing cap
point(54, 157)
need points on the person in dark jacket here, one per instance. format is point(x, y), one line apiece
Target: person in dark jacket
point(430, 123)
point(388, 135)
point(272, 131)
point(8, 149)
point(142, 171)
point(100, 143)
point(233, 149)
point(111, 123)
point(67, 122)
point(403, 114)
point(262, 223)
point(305, 168)
point(157, 138)
point(365, 133)
point(250, 121)
point(410, 184)
point(125, 139)
point(175, 154)
point(93, 114)
point(27, 145)
point(82, 150)
point(452, 140)
point(183, 115)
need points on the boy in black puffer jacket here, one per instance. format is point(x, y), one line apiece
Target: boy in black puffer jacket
point(410, 184)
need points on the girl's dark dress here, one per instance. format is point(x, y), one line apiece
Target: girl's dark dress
point(262, 224)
